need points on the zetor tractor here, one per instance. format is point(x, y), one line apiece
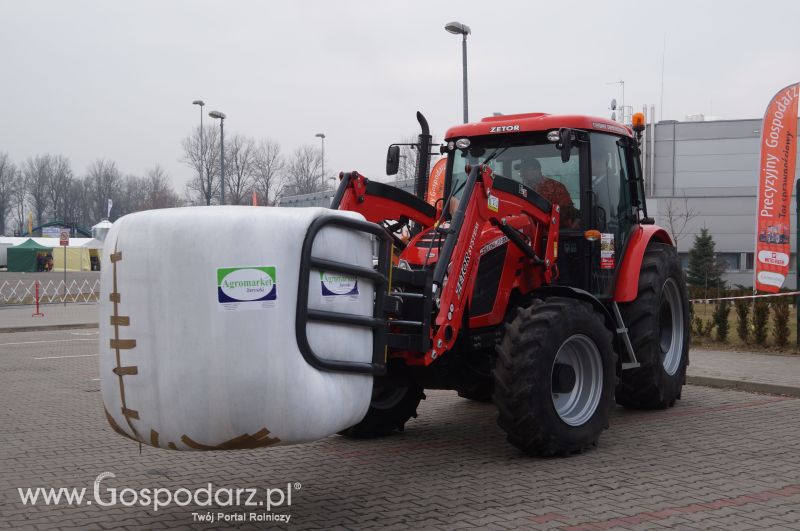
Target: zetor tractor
point(535, 279)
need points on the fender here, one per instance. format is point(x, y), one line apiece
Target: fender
point(628, 275)
point(545, 292)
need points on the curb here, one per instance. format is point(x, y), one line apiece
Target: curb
point(743, 385)
point(46, 328)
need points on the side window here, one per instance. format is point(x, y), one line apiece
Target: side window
point(627, 172)
point(609, 183)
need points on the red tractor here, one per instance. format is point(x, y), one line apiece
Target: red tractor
point(537, 281)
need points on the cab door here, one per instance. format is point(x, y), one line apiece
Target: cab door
point(611, 212)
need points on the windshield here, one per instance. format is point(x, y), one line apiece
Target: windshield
point(528, 159)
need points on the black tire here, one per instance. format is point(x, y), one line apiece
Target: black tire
point(479, 391)
point(524, 382)
point(657, 383)
point(391, 407)
point(476, 382)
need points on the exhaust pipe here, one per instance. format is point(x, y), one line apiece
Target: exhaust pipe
point(423, 157)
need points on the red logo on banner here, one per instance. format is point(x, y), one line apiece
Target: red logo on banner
point(778, 158)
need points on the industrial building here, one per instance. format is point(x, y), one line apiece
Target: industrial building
point(710, 169)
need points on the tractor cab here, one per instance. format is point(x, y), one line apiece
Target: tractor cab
point(589, 167)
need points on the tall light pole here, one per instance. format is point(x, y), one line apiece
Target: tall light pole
point(458, 28)
point(221, 117)
point(322, 136)
point(202, 153)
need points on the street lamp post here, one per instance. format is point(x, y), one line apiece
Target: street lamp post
point(202, 153)
point(457, 28)
point(322, 137)
point(221, 117)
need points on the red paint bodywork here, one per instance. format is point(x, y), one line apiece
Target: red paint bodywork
point(377, 209)
point(535, 122)
point(628, 275)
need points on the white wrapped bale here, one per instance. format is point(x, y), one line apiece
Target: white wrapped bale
point(197, 328)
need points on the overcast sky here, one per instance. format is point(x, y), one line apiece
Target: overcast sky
point(91, 79)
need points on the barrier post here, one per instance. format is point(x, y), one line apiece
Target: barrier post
point(38, 313)
point(65, 276)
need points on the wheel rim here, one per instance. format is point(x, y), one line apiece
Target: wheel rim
point(671, 327)
point(386, 396)
point(577, 380)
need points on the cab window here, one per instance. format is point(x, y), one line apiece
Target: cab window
point(534, 162)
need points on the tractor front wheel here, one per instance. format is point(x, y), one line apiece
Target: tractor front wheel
point(391, 407)
point(555, 377)
point(658, 327)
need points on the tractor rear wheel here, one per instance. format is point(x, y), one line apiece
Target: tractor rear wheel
point(391, 407)
point(555, 377)
point(659, 328)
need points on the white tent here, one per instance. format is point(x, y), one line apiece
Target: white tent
point(75, 258)
point(47, 242)
point(100, 230)
point(3, 255)
point(95, 248)
point(94, 243)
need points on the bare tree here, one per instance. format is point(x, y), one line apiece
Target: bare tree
point(8, 184)
point(132, 196)
point(78, 205)
point(106, 183)
point(407, 168)
point(37, 172)
point(304, 175)
point(158, 191)
point(60, 182)
point(678, 217)
point(240, 152)
point(409, 158)
point(18, 201)
point(201, 153)
point(268, 173)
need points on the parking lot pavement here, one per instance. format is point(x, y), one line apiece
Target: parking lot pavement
point(720, 459)
point(760, 372)
point(15, 318)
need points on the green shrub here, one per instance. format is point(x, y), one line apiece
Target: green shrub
point(780, 325)
point(721, 313)
point(760, 318)
point(702, 328)
point(742, 318)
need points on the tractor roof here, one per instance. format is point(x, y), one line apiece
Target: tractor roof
point(537, 121)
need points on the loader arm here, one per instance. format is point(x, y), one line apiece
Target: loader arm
point(379, 202)
point(529, 221)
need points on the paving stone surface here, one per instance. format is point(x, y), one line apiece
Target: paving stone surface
point(720, 459)
point(746, 367)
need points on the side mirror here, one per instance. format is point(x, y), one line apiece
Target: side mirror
point(393, 160)
point(565, 144)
